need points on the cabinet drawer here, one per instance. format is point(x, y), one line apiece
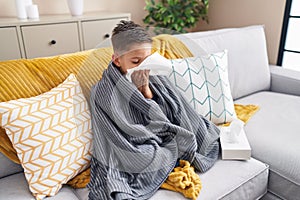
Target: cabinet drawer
point(94, 32)
point(49, 40)
point(9, 44)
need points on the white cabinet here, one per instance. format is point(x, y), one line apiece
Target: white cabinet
point(49, 40)
point(9, 44)
point(94, 32)
point(55, 34)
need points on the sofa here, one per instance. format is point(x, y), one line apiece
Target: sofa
point(272, 172)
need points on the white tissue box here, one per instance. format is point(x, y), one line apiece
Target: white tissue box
point(240, 150)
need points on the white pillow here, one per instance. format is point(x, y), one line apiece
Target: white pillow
point(203, 80)
point(52, 135)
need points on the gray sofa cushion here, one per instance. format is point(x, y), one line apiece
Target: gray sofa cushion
point(274, 135)
point(15, 187)
point(7, 167)
point(228, 180)
point(225, 180)
point(247, 55)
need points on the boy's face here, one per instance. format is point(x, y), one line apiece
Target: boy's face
point(133, 57)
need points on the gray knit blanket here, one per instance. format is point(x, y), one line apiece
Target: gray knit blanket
point(138, 141)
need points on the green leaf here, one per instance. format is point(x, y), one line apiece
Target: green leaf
point(176, 14)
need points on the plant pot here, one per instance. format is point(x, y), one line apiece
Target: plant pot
point(75, 7)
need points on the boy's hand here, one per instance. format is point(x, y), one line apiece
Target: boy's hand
point(140, 79)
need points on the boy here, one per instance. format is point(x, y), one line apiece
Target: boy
point(142, 129)
point(132, 44)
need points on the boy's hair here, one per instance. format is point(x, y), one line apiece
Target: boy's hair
point(126, 34)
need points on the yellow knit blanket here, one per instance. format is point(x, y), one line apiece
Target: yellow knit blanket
point(183, 179)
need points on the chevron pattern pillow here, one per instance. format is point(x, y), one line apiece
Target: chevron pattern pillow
point(204, 82)
point(51, 134)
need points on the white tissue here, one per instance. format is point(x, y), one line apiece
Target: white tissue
point(234, 130)
point(157, 64)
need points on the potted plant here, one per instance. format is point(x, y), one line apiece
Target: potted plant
point(175, 15)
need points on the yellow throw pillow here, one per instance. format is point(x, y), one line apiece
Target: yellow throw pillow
point(52, 135)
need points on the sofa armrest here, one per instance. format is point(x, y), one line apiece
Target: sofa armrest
point(285, 80)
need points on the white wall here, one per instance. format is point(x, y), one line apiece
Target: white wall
point(237, 13)
point(135, 7)
point(222, 13)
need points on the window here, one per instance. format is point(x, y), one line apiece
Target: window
point(289, 49)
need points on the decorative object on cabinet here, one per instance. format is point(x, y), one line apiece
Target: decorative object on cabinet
point(28, 2)
point(32, 11)
point(21, 9)
point(55, 34)
point(75, 7)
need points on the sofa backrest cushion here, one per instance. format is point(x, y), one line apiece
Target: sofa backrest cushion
point(247, 55)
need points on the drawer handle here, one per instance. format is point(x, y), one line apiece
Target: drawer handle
point(106, 35)
point(52, 42)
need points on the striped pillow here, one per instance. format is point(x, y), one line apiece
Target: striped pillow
point(52, 135)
